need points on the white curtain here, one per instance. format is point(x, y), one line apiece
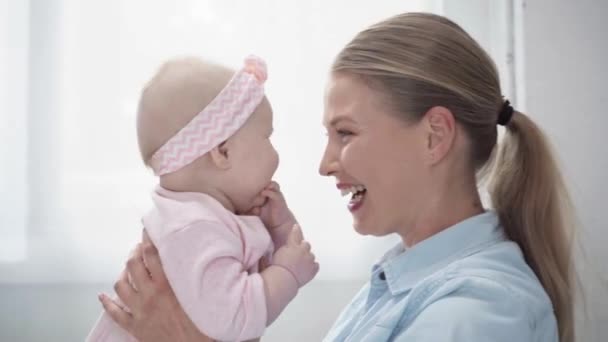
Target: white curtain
point(72, 185)
point(13, 129)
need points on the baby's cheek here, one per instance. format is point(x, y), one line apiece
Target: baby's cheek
point(273, 161)
point(276, 161)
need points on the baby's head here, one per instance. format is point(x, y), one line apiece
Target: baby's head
point(225, 151)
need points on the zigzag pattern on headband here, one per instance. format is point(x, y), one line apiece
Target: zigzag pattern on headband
point(215, 123)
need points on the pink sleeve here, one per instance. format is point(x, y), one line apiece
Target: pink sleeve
point(204, 265)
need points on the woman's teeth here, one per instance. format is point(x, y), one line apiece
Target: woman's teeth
point(357, 198)
point(355, 190)
point(356, 201)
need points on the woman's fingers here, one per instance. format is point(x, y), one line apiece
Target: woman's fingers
point(116, 312)
point(124, 290)
point(137, 268)
point(153, 262)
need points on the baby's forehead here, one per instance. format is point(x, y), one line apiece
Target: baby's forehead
point(261, 119)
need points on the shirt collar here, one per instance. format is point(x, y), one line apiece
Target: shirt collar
point(403, 268)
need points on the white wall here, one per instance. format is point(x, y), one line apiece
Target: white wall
point(566, 57)
point(89, 60)
point(13, 122)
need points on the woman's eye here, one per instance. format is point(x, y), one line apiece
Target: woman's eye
point(344, 133)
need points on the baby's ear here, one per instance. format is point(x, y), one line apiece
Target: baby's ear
point(219, 156)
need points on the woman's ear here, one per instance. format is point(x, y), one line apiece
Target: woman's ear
point(220, 156)
point(441, 133)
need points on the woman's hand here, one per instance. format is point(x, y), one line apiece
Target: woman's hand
point(152, 311)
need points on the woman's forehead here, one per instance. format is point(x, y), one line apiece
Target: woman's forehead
point(347, 98)
point(344, 88)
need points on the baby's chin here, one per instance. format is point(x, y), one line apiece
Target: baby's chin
point(258, 201)
point(247, 208)
point(246, 202)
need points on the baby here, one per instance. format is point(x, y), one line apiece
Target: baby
point(205, 131)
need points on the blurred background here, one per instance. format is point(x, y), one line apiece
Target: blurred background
point(72, 187)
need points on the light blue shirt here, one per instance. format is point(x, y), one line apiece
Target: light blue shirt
point(467, 283)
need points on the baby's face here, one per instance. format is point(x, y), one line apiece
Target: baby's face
point(254, 159)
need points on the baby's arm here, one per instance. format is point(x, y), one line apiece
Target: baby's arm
point(293, 266)
point(280, 287)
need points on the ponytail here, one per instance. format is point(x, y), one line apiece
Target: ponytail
point(529, 195)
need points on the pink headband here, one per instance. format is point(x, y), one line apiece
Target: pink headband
point(217, 122)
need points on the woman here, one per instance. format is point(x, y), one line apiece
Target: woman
point(411, 109)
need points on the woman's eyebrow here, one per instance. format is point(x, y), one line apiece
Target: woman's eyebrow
point(340, 118)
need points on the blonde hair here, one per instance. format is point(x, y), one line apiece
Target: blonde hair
point(419, 61)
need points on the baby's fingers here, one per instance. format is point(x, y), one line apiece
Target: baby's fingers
point(274, 186)
point(306, 246)
point(296, 236)
point(255, 211)
point(272, 195)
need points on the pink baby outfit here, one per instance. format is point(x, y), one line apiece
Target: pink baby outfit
point(211, 258)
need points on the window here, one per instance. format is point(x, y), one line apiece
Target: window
point(73, 188)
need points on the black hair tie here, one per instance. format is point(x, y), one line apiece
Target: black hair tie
point(506, 112)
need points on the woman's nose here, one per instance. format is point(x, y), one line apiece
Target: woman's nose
point(328, 163)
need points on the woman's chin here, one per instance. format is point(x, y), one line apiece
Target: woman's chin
point(368, 228)
point(362, 228)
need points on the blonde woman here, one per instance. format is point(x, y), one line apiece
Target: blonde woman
point(411, 108)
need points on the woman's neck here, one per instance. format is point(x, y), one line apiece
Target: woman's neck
point(445, 209)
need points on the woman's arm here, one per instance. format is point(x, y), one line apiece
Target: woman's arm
point(155, 314)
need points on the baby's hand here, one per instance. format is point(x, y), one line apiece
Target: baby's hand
point(274, 213)
point(295, 256)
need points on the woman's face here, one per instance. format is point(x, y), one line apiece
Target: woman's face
point(377, 158)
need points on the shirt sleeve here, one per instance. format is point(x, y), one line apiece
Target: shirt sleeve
point(204, 265)
point(486, 311)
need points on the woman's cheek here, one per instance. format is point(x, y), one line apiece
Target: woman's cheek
point(351, 156)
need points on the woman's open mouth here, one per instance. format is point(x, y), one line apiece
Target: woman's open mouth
point(358, 193)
